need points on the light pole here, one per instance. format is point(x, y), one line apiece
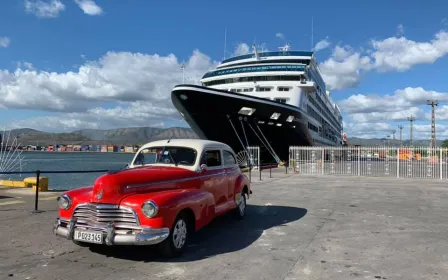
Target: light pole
point(411, 119)
point(433, 103)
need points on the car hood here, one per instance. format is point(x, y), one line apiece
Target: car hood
point(111, 188)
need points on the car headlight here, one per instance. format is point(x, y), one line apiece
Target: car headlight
point(64, 202)
point(149, 209)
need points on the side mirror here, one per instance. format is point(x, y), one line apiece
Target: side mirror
point(126, 166)
point(203, 167)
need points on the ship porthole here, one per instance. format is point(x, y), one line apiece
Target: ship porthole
point(183, 96)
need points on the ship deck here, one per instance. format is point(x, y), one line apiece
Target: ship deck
point(296, 227)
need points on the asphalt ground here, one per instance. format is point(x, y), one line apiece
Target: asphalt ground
point(297, 227)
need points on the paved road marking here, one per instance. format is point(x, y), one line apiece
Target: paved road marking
point(49, 198)
point(11, 202)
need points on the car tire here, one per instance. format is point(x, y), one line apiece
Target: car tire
point(240, 210)
point(176, 242)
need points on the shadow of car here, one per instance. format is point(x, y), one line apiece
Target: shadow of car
point(223, 235)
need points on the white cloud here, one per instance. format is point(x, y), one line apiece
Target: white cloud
point(4, 42)
point(345, 66)
point(322, 44)
point(142, 83)
point(402, 99)
point(89, 7)
point(280, 35)
point(138, 113)
point(242, 49)
point(343, 69)
point(44, 8)
point(400, 29)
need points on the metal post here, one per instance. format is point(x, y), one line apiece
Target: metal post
point(398, 163)
point(250, 172)
point(270, 171)
point(359, 161)
point(37, 193)
point(259, 167)
point(440, 163)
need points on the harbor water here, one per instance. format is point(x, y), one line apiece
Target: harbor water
point(56, 161)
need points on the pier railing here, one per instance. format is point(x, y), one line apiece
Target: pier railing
point(38, 177)
point(38, 173)
point(398, 162)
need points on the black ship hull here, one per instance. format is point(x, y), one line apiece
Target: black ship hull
point(214, 115)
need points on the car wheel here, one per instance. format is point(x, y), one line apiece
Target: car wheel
point(240, 210)
point(175, 243)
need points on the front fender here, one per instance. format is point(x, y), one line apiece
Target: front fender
point(170, 203)
point(77, 196)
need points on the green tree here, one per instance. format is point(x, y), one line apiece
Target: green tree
point(445, 144)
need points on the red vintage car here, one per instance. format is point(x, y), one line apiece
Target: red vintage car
point(171, 189)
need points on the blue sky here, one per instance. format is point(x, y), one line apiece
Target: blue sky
point(72, 64)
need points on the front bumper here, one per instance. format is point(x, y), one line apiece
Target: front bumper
point(146, 236)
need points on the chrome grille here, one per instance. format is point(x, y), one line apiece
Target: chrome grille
point(99, 215)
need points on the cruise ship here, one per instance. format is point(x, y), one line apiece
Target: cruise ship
point(273, 100)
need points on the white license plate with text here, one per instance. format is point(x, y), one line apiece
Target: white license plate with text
point(88, 236)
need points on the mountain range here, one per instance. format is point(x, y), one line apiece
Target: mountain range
point(119, 136)
point(141, 135)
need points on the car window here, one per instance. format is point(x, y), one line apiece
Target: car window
point(166, 155)
point(212, 158)
point(229, 159)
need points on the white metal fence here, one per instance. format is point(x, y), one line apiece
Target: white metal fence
point(254, 155)
point(403, 162)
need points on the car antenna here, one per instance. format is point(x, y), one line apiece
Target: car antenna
point(171, 137)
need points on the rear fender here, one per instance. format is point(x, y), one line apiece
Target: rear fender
point(171, 203)
point(241, 182)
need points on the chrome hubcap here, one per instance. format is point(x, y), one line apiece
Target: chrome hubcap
point(180, 234)
point(242, 205)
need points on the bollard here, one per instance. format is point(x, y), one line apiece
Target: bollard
point(286, 168)
point(270, 171)
point(259, 167)
point(37, 193)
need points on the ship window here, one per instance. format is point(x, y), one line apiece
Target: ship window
point(261, 122)
point(247, 89)
point(279, 124)
point(275, 116)
point(270, 123)
point(239, 90)
point(282, 100)
point(263, 89)
point(283, 88)
point(246, 111)
point(290, 119)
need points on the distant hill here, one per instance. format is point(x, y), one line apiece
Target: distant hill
point(141, 135)
point(382, 142)
point(120, 136)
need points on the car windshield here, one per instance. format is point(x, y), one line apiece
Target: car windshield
point(166, 155)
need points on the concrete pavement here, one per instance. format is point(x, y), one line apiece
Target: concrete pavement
point(297, 227)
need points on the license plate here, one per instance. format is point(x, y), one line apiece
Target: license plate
point(88, 236)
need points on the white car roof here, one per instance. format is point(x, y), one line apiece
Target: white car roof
point(198, 144)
